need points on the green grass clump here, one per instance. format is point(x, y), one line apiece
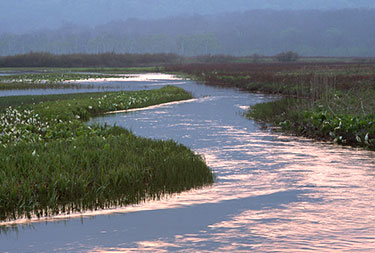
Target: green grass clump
point(92, 172)
point(15, 101)
point(30, 85)
point(51, 162)
point(346, 118)
point(88, 106)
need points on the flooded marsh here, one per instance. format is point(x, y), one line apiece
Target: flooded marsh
point(273, 192)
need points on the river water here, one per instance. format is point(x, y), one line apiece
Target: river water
point(120, 83)
point(273, 192)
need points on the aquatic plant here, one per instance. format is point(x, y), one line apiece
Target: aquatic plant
point(51, 162)
point(343, 119)
point(39, 85)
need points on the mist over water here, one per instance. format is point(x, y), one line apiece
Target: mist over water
point(198, 27)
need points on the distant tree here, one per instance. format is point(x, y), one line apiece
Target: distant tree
point(256, 57)
point(309, 32)
point(289, 56)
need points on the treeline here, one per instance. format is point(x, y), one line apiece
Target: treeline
point(346, 32)
point(42, 59)
point(171, 62)
point(87, 60)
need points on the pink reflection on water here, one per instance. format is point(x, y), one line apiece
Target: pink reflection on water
point(337, 215)
point(148, 77)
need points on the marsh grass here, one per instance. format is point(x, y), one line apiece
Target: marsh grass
point(88, 106)
point(39, 85)
point(344, 117)
point(16, 101)
point(66, 166)
point(94, 172)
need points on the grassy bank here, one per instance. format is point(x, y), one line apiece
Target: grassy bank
point(51, 162)
point(38, 85)
point(322, 100)
point(345, 118)
point(15, 101)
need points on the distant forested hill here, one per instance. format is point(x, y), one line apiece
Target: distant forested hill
point(19, 16)
point(267, 32)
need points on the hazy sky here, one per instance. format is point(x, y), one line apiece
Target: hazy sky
point(20, 16)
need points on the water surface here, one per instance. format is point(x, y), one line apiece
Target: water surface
point(120, 83)
point(273, 192)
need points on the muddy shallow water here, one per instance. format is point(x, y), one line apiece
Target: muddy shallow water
point(273, 192)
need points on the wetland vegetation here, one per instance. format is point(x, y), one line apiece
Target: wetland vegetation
point(52, 162)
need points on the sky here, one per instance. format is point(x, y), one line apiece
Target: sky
point(23, 16)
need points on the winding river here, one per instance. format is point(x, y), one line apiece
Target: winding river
point(273, 192)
